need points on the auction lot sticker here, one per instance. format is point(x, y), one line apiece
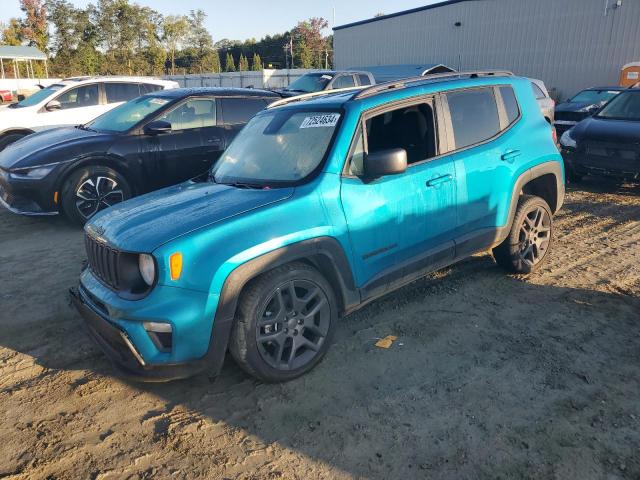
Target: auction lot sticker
point(328, 120)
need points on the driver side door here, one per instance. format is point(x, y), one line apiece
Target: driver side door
point(78, 105)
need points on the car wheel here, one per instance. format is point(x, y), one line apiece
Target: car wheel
point(91, 189)
point(9, 139)
point(530, 237)
point(284, 323)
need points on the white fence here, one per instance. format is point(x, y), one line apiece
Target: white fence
point(262, 79)
point(15, 85)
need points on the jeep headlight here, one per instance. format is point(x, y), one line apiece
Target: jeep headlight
point(32, 173)
point(567, 141)
point(147, 267)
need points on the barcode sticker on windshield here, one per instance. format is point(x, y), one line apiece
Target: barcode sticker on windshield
point(328, 120)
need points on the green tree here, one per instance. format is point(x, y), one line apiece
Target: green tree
point(174, 32)
point(256, 63)
point(229, 63)
point(211, 62)
point(12, 33)
point(311, 46)
point(243, 64)
point(35, 30)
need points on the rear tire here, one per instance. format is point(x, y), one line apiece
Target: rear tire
point(530, 238)
point(91, 189)
point(284, 323)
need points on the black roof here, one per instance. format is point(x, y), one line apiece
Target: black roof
point(214, 91)
point(616, 88)
point(403, 12)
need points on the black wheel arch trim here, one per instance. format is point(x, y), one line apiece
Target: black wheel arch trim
point(97, 160)
point(324, 253)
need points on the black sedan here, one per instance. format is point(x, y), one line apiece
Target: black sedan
point(153, 141)
point(608, 143)
point(582, 105)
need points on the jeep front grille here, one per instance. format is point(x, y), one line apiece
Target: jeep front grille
point(103, 262)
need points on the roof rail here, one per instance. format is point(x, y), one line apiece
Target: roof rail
point(381, 87)
point(306, 96)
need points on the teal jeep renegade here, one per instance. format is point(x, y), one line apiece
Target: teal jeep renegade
point(320, 205)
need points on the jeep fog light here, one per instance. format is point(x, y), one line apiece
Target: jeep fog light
point(147, 268)
point(161, 335)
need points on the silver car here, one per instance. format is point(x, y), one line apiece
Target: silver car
point(547, 104)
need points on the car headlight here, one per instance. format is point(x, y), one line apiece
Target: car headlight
point(147, 267)
point(32, 173)
point(567, 141)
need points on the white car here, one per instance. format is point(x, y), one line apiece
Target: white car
point(72, 101)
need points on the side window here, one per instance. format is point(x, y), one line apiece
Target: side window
point(240, 110)
point(85, 96)
point(344, 81)
point(411, 128)
point(121, 92)
point(510, 103)
point(537, 91)
point(149, 87)
point(194, 113)
point(364, 79)
point(474, 115)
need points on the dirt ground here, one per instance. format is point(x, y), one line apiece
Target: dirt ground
point(491, 376)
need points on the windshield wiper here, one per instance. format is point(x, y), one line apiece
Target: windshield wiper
point(85, 128)
point(251, 186)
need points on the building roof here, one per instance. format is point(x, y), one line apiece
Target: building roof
point(403, 12)
point(21, 53)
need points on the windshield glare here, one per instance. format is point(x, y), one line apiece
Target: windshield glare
point(277, 147)
point(625, 106)
point(309, 83)
point(125, 116)
point(594, 96)
point(39, 96)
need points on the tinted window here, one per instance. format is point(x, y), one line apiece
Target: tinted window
point(510, 103)
point(194, 113)
point(537, 91)
point(240, 110)
point(149, 87)
point(121, 92)
point(344, 81)
point(364, 79)
point(474, 116)
point(85, 96)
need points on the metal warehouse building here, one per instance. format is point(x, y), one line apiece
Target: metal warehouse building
point(570, 44)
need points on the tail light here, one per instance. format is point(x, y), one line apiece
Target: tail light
point(554, 135)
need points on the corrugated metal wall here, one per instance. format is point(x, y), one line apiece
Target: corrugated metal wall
point(570, 44)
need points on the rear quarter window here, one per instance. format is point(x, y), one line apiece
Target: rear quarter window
point(510, 103)
point(240, 110)
point(474, 116)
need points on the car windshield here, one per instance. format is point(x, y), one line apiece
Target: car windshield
point(311, 82)
point(125, 116)
point(625, 106)
point(39, 96)
point(594, 96)
point(278, 147)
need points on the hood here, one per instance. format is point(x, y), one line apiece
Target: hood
point(52, 145)
point(580, 107)
point(144, 223)
point(608, 131)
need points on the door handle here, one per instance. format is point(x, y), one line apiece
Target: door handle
point(439, 180)
point(511, 155)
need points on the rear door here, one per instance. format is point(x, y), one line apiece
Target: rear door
point(184, 152)
point(117, 93)
point(486, 156)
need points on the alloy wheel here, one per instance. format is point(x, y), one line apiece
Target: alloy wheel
point(535, 235)
point(293, 325)
point(97, 193)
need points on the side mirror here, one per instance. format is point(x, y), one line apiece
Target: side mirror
point(385, 162)
point(157, 127)
point(53, 105)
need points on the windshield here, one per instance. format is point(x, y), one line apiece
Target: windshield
point(39, 96)
point(594, 96)
point(125, 116)
point(625, 106)
point(313, 82)
point(277, 147)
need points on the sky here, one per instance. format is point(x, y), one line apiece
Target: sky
point(242, 19)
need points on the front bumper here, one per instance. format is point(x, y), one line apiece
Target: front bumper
point(27, 197)
point(117, 325)
point(580, 163)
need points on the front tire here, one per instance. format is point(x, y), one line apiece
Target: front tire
point(10, 138)
point(284, 323)
point(91, 189)
point(530, 238)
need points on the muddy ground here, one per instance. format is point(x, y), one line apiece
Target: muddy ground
point(491, 376)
